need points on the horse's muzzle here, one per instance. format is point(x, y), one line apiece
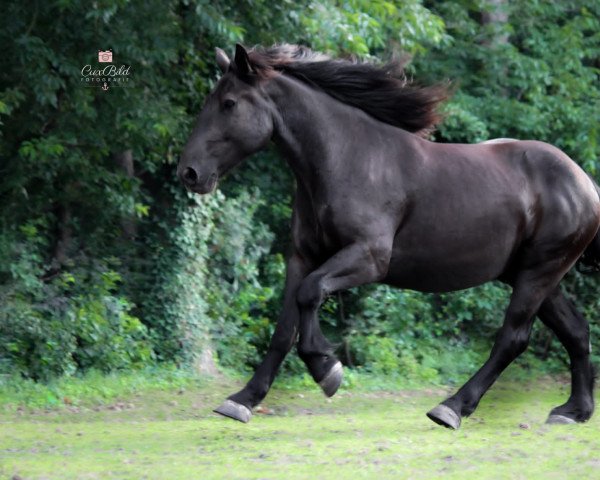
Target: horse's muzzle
point(192, 181)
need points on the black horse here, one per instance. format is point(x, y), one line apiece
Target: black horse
point(377, 202)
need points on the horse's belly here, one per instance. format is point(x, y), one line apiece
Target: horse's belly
point(425, 277)
point(453, 263)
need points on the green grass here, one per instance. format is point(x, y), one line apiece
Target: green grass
point(91, 388)
point(165, 430)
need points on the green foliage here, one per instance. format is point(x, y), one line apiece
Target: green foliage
point(107, 268)
point(540, 67)
point(53, 325)
point(175, 307)
point(365, 28)
point(416, 336)
point(237, 298)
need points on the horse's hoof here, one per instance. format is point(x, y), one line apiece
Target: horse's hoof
point(556, 419)
point(234, 410)
point(444, 416)
point(332, 380)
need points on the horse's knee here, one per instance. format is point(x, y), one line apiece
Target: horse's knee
point(310, 294)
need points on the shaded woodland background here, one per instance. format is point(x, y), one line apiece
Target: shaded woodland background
point(106, 263)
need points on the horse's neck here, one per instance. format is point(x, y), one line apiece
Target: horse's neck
point(306, 122)
point(316, 133)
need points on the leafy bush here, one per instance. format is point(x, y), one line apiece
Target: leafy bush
point(53, 325)
point(174, 285)
point(237, 296)
point(394, 333)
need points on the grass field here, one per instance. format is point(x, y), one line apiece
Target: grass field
point(172, 434)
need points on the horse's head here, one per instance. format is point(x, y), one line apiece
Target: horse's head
point(234, 123)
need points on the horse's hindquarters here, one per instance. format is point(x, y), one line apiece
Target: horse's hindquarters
point(486, 212)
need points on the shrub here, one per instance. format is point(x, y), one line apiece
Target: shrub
point(53, 325)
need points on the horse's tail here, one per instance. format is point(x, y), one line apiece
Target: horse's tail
point(590, 260)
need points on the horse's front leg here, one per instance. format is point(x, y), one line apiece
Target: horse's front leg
point(239, 405)
point(357, 264)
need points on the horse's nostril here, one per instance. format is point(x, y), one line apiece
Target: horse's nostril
point(190, 176)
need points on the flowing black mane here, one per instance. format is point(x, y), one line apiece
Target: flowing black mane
point(381, 91)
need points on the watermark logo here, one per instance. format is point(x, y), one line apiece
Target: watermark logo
point(105, 56)
point(107, 76)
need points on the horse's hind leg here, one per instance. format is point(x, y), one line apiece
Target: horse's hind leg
point(530, 289)
point(572, 329)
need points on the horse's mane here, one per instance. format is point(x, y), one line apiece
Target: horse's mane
point(381, 91)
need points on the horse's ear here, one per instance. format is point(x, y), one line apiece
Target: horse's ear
point(222, 60)
point(242, 61)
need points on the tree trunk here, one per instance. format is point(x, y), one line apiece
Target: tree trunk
point(64, 235)
point(496, 15)
point(205, 363)
point(124, 161)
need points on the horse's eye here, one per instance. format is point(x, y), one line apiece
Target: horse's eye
point(228, 104)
